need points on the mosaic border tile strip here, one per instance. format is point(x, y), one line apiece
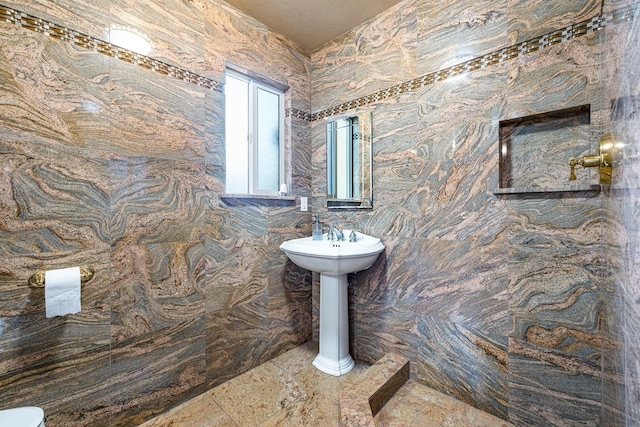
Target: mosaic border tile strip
point(299, 114)
point(573, 31)
point(76, 38)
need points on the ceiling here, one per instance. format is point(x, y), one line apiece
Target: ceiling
point(312, 23)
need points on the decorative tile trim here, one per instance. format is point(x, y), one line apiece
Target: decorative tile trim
point(39, 25)
point(76, 38)
point(573, 31)
point(298, 114)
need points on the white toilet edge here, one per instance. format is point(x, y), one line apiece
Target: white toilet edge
point(26, 416)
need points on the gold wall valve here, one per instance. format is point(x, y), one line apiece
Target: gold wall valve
point(607, 154)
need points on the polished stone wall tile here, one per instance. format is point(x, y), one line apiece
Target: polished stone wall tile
point(106, 156)
point(300, 163)
point(441, 140)
point(51, 171)
point(160, 112)
point(43, 193)
point(464, 283)
point(71, 391)
point(392, 279)
point(237, 340)
point(87, 16)
point(554, 262)
point(477, 102)
point(460, 157)
point(155, 287)
point(289, 286)
point(290, 310)
point(174, 29)
point(556, 309)
point(567, 221)
point(548, 389)
point(56, 93)
point(333, 72)
point(30, 339)
point(386, 49)
point(214, 157)
point(394, 333)
point(397, 170)
point(286, 221)
point(631, 352)
point(454, 31)
point(565, 75)
point(245, 217)
point(156, 201)
point(614, 402)
point(452, 357)
point(154, 372)
point(529, 19)
point(319, 162)
point(612, 5)
point(215, 175)
point(476, 217)
point(285, 60)
point(237, 273)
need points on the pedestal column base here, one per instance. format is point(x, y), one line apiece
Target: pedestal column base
point(334, 358)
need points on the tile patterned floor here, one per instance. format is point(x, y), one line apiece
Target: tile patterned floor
point(415, 405)
point(290, 391)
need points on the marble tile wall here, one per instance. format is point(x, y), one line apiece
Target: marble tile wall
point(110, 164)
point(502, 301)
point(513, 304)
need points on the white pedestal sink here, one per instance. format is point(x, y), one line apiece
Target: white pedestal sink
point(334, 260)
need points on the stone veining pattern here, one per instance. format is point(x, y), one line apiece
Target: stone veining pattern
point(116, 165)
point(521, 305)
point(502, 301)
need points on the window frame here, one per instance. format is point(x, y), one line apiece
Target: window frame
point(256, 83)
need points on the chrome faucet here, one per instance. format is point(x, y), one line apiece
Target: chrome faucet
point(335, 234)
point(352, 236)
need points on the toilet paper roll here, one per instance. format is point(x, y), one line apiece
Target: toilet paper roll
point(62, 291)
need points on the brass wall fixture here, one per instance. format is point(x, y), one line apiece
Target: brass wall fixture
point(37, 279)
point(608, 153)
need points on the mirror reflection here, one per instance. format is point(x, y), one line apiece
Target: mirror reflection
point(349, 163)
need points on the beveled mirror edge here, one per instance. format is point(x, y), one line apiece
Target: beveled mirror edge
point(365, 120)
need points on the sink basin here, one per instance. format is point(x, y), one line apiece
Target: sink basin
point(334, 260)
point(334, 257)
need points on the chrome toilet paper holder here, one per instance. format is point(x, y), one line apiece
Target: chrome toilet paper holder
point(37, 279)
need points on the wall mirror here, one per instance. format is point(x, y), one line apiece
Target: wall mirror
point(349, 163)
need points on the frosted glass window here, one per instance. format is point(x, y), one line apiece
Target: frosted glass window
point(237, 135)
point(268, 139)
point(253, 137)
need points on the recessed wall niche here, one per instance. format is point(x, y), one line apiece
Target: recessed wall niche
point(535, 151)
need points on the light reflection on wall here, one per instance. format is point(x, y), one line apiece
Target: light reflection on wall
point(130, 39)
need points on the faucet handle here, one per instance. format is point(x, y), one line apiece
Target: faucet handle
point(352, 236)
point(573, 162)
point(589, 161)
